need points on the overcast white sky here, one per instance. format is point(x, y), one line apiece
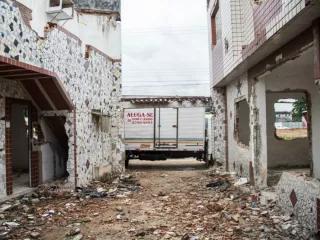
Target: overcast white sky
point(165, 47)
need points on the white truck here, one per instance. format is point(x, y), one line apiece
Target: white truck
point(162, 133)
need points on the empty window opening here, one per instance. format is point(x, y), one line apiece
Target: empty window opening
point(60, 3)
point(54, 3)
point(21, 133)
point(288, 127)
point(242, 123)
point(291, 118)
point(215, 26)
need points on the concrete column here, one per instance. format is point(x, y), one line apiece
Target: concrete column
point(316, 41)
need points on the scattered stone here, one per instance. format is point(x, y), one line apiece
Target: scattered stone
point(161, 194)
point(5, 207)
point(11, 224)
point(221, 184)
point(236, 217)
point(188, 236)
point(119, 209)
point(140, 234)
point(76, 237)
point(241, 181)
point(73, 232)
point(35, 200)
point(35, 235)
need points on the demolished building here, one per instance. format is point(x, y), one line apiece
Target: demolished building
point(265, 53)
point(60, 88)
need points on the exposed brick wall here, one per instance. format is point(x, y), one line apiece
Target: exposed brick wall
point(8, 148)
point(318, 214)
point(35, 155)
point(35, 168)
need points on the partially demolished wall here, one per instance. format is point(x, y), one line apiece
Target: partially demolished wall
point(92, 83)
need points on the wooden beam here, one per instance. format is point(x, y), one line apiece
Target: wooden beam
point(22, 75)
point(43, 91)
point(12, 70)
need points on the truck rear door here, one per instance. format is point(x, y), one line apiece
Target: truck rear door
point(166, 128)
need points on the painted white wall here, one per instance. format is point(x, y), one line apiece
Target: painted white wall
point(97, 30)
point(100, 31)
point(238, 153)
point(298, 74)
point(259, 152)
point(289, 153)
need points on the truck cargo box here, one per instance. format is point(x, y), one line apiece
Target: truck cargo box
point(165, 130)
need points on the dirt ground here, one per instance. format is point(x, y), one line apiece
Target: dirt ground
point(290, 134)
point(145, 212)
point(174, 202)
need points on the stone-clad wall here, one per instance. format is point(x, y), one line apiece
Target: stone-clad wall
point(93, 83)
point(112, 5)
point(219, 125)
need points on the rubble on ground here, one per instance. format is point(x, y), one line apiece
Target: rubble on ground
point(25, 215)
point(212, 207)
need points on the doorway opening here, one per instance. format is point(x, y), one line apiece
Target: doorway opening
point(21, 146)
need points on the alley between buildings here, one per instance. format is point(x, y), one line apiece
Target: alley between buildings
point(175, 199)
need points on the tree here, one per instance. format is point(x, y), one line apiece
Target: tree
point(299, 107)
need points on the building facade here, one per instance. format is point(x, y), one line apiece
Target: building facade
point(60, 88)
point(263, 52)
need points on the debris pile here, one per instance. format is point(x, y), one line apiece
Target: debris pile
point(53, 203)
point(177, 205)
point(121, 187)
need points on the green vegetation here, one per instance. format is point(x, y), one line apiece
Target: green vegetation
point(299, 107)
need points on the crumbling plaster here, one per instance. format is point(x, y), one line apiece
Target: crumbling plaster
point(297, 74)
point(93, 83)
point(218, 135)
point(239, 154)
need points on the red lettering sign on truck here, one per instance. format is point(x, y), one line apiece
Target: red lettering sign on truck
point(140, 117)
